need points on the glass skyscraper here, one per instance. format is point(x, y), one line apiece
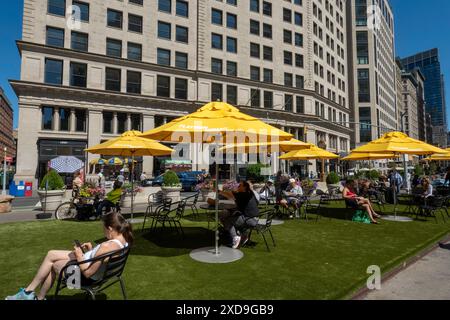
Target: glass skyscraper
point(428, 62)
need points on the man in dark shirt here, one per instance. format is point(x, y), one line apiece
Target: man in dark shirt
point(247, 211)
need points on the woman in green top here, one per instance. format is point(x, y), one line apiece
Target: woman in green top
point(112, 198)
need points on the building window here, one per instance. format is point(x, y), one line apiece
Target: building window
point(47, 118)
point(134, 82)
point(268, 99)
point(134, 51)
point(113, 79)
point(300, 104)
point(254, 5)
point(298, 39)
point(255, 50)
point(288, 103)
point(365, 127)
point(78, 74)
point(299, 60)
point(216, 16)
point(53, 71)
point(181, 88)
point(232, 69)
point(231, 21)
point(216, 41)
point(163, 86)
point(232, 95)
point(134, 23)
point(231, 45)
point(254, 27)
point(80, 120)
point(115, 19)
point(267, 53)
point(114, 48)
point(181, 60)
point(108, 122)
point(164, 30)
point(268, 75)
point(138, 2)
point(288, 79)
point(267, 8)
point(136, 122)
point(363, 85)
point(255, 100)
point(362, 47)
point(57, 7)
point(255, 73)
point(287, 15)
point(80, 41)
point(216, 66)
point(216, 92)
point(165, 5)
point(64, 119)
point(55, 37)
point(288, 58)
point(298, 19)
point(84, 10)
point(361, 12)
point(182, 8)
point(299, 82)
point(181, 34)
point(287, 36)
point(163, 57)
point(122, 122)
point(267, 31)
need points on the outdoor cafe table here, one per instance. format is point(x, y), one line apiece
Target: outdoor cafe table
point(223, 205)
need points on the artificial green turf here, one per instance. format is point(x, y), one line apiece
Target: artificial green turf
point(327, 259)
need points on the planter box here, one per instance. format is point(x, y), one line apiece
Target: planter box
point(125, 202)
point(50, 200)
point(172, 193)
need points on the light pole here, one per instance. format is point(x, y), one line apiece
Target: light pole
point(4, 172)
point(405, 168)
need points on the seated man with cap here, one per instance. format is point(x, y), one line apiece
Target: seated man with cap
point(267, 193)
point(292, 196)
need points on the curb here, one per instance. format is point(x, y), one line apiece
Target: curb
point(364, 291)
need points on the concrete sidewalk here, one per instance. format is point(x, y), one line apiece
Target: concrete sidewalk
point(426, 279)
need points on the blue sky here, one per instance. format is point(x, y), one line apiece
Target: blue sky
point(420, 25)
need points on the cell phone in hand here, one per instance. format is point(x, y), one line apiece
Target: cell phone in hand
point(78, 244)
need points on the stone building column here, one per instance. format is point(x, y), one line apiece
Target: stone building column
point(72, 120)
point(56, 119)
point(115, 124)
point(94, 132)
point(148, 123)
point(128, 122)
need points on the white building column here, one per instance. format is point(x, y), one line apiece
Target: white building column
point(56, 119)
point(115, 124)
point(128, 122)
point(94, 132)
point(148, 123)
point(72, 120)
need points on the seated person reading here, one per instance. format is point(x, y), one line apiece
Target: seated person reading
point(354, 201)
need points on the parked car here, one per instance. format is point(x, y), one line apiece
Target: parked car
point(188, 180)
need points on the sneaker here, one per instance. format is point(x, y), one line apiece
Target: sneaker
point(236, 241)
point(22, 295)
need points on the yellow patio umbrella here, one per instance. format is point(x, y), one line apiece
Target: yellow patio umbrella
point(440, 156)
point(216, 120)
point(399, 143)
point(130, 144)
point(97, 161)
point(276, 146)
point(369, 156)
point(115, 161)
point(312, 153)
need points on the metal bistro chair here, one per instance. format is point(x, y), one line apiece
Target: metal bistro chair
point(262, 229)
point(434, 205)
point(164, 206)
point(323, 199)
point(191, 202)
point(113, 264)
point(172, 216)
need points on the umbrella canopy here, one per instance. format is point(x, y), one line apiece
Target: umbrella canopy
point(369, 156)
point(312, 153)
point(277, 146)
point(216, 118)
point(130, 144)
point(99, 161)
point(66, 164)
point(440, 156)
point(399, 143)
point(115, 161)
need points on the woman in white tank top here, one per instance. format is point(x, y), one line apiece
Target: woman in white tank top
point(119, 234)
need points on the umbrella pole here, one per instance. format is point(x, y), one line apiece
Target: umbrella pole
point(217, 210)
point(132, 185)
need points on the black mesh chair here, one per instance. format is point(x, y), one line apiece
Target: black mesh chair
point(264, 228)
point(172, 216)
point(163, 207)
point(191, 202)
point(113, 264)
point(433, 205)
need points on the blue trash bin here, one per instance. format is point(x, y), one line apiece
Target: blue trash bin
point(12, 188)
point(20, 192)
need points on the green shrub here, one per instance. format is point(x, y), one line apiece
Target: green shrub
point(254, 173)
point(170, 179)
point(333, 178)
point(373, 175)
point(55, 182)
point(418, 170)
